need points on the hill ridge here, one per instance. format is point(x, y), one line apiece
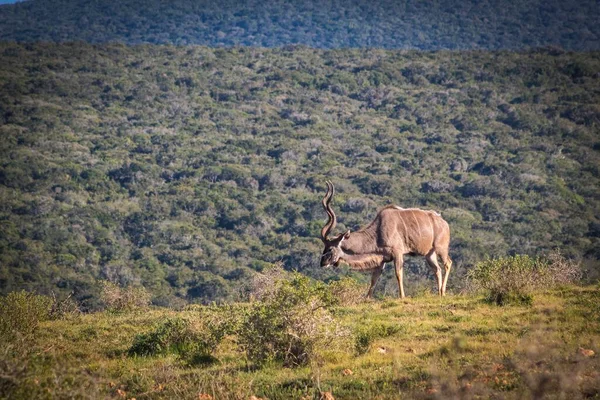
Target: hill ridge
point(408, 24)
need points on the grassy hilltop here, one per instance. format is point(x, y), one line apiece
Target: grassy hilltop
point(188, 169)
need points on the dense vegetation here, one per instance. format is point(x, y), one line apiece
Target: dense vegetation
point(187, 169)
point(408, 24)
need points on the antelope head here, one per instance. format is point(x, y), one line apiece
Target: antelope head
point(333, 250)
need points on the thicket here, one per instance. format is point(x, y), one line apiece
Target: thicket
point(120, 299)
point(512, 280)
point(365, 335)
point(452, 24)
point(289, 323)
point(292, 325)
point(187, 170)
point(21, 312)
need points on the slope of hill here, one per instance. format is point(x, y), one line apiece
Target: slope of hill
point(186, 169)
point(409, 24)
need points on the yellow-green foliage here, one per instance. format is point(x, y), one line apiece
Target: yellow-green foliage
point(171, 335)
point(194, 339)
point(348, 291)
point(292, 325)
point(21, 312)
point(512, 279)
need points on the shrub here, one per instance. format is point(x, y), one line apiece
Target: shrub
point(195, 341)
point(64, 309)
point(119, 299)
point(216, 322)
point(292, 325)
point(21, 312)
point(508, 279)
point(511, 280)
point(347, 291)
point(562, 270)
point(172, 335)
point(264, 285)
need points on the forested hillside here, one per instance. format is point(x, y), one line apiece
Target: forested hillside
point(406, 24)
point(186, 169)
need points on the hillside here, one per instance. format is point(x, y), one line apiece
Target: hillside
point(186, 169)
point(408, 24)
point(419, 348)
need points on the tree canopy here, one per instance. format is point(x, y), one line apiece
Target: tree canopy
point(391, 24)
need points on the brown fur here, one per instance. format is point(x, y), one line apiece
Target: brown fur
point(393, 233)
point(366, 262)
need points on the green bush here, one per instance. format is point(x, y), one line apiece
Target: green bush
point(195, 340)
point(292, 325)
point(216, 322)
point(507, 280)
point(172, 335)
point(511, 280)
point(21, 312)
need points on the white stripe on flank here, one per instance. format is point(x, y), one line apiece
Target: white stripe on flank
point(418, 225)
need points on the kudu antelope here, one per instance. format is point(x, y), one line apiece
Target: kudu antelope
point(393, 233)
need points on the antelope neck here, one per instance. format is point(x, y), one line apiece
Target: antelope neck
point(362, 261)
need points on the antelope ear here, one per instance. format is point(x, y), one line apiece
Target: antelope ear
point(346, 235)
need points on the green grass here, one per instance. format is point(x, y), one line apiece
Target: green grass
point(423, 347)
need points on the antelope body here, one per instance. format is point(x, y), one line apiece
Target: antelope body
point(394, 233)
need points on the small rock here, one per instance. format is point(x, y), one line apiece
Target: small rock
point(586, 352)
point(382, 350)
point(327, 396)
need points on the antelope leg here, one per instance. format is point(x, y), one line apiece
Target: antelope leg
point(399, 268)
point(431, 258)
point(374, 277)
